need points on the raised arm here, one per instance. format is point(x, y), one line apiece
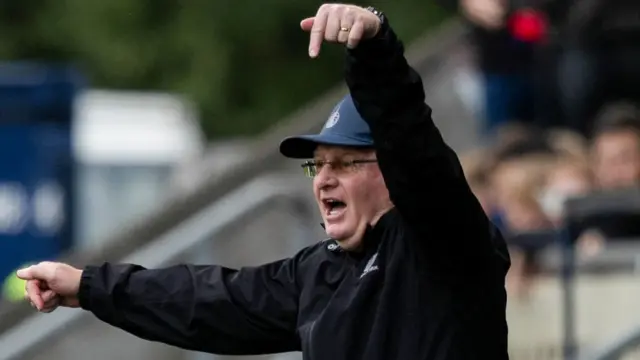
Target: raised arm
point(423, 174)
point(205, 308)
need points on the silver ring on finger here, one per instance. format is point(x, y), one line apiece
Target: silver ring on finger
point(345, 29)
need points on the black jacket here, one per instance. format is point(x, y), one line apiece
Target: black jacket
point(429, 283)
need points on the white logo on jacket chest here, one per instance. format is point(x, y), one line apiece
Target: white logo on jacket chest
point(371, 265)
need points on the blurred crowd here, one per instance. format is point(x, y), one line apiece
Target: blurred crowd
point(553, 63)
point(524, 178)
point(561, 118)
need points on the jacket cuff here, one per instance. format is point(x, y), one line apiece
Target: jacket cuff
point(84, 291)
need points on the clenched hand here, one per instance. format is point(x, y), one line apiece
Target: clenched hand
point(50, 285)
point(340, 23)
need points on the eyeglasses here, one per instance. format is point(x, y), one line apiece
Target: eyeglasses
point(313, 167)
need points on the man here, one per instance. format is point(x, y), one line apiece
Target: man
point(420, 279)
point(616, 147)
point(615, 160)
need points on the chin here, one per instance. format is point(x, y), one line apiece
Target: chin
point(343, 236)
point(336, 232)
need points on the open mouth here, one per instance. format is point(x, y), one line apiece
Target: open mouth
point(333, 207)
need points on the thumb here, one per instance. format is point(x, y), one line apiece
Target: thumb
point(307, 23)
point(26, 273)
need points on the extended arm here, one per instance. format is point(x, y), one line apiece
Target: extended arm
point(205, 308)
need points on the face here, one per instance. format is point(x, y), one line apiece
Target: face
point(514, 185)
point(349, 197)
point(505, 178)
point(617, 159)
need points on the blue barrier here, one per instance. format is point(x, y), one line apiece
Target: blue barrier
point(36, 163)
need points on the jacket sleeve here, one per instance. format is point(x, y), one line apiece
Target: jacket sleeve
point(422, 173)
point(204, 308)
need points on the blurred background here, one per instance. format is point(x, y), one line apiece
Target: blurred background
point(148, 131)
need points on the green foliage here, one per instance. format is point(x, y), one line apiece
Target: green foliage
point(243, 62)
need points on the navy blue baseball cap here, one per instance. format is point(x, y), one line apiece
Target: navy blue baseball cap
point(345, 127)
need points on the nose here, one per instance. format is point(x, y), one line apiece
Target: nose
point(325, 178)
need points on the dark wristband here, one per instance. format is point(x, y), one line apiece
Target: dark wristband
point(384, 23)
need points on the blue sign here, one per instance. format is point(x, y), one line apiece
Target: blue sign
point(36, 164)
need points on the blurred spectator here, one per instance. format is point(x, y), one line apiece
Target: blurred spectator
point(516, 183)
point(615, 161)
point(616, 147)
point(569, 176)
point(504, 60)
point(507, 177)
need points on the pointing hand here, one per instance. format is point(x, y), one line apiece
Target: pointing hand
point(339, 23)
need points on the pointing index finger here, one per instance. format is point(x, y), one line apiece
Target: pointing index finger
point(317, 32)
point(25, 274)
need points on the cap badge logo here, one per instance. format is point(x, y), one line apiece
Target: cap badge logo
point(333, 118)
